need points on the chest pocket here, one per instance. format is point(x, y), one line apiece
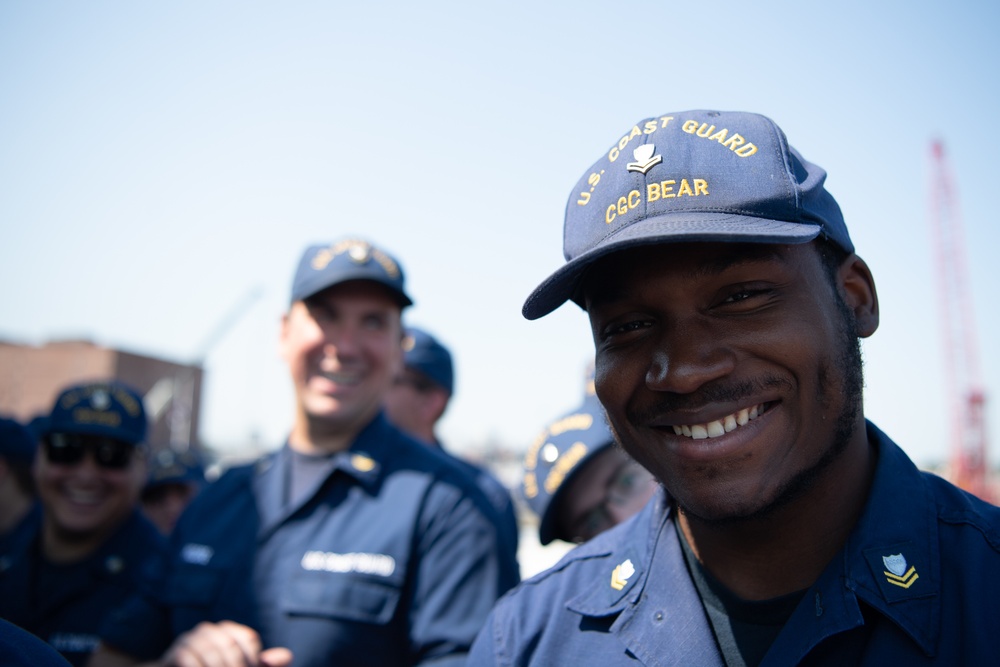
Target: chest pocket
point(347, 596)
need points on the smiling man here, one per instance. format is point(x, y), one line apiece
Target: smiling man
point(726, 305)
point(92, 548)
point(353, 544)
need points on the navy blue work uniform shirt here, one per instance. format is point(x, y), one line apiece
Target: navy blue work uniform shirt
point(390, 559)
point(504, 513)
point(65, 604)
point(917, 583)
point(20, 648)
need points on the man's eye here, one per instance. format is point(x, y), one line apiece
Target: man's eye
point(745, 295)
point(625, 328)
point(738, 296)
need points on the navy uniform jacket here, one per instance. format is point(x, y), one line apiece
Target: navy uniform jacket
point(504, 512)
point(917, 583)
point(69, 615)
point(390, 560)
point(20, 648)
point(17, 538)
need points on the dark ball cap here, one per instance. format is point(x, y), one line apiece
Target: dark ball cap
point(423, 353)
point(555, 457)
point(722, 176)
point(169, 466)
point(110, 409)
point(323, 266)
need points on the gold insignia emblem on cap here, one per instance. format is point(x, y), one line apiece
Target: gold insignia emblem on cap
point(362, 463)
point(620, 575)
point(644, 159)
point(359, 252)
point(896, 572)
point(100, 399)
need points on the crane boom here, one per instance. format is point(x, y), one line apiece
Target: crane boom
point(966, 398)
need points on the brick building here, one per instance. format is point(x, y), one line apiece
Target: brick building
point(32, 376)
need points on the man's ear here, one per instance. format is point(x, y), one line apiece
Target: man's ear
point(434, 404)
point(858, 289)
point(283, 337)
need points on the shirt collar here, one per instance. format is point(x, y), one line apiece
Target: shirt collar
point(891, 559)
point(630, 547)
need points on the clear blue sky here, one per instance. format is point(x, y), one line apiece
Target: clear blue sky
point(160, 161)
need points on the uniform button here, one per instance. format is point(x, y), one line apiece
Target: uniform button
point(658, 617)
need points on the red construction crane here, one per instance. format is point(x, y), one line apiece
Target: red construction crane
point(966, 399)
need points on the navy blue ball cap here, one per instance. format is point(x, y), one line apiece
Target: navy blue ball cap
point(425, 354)
point(110, 409)
point(562, 449)
point(169, 466)
point(691, 176)
point(324, 266)
point(17, 443)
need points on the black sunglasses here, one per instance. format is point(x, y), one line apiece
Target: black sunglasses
point(69, 448)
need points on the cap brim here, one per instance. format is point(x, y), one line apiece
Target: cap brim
point(314, 288)
point(562, 285)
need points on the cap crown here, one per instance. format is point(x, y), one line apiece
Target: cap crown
point(425, 354)
point(323, 266)
point(691, 176)
point(558, 452)
point(104, 408)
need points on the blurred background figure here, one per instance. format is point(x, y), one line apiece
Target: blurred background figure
point(19, 509)
point(92, 547)
point(175, 478)
point(578, 481)
point(417, 401)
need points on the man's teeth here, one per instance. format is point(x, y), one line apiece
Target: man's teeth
point(342, 378)
point(714, 429)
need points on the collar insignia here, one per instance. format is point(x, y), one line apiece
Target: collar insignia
point(644, 159)
point(621, 574)
point(362, 463)
point(897, 573)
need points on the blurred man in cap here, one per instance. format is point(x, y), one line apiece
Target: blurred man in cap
point(175, 478)
point(727, 305)
point(92, 548)
point(577, 481)
point(417, 401)
point(19, 508)
point(353, 544)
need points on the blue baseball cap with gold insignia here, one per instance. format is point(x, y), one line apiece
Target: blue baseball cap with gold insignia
point(557, 453)
point(169, 466)
point(424, 354)
point(110, 409)
point(324, 266)
point(718, 176)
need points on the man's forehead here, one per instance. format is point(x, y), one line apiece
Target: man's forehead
point(356, 292)
point(611, 276)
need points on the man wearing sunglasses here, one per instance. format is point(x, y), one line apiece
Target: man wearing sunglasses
point(352, 544)
point(92, 548)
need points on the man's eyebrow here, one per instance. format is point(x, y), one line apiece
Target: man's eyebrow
point(742, 255)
